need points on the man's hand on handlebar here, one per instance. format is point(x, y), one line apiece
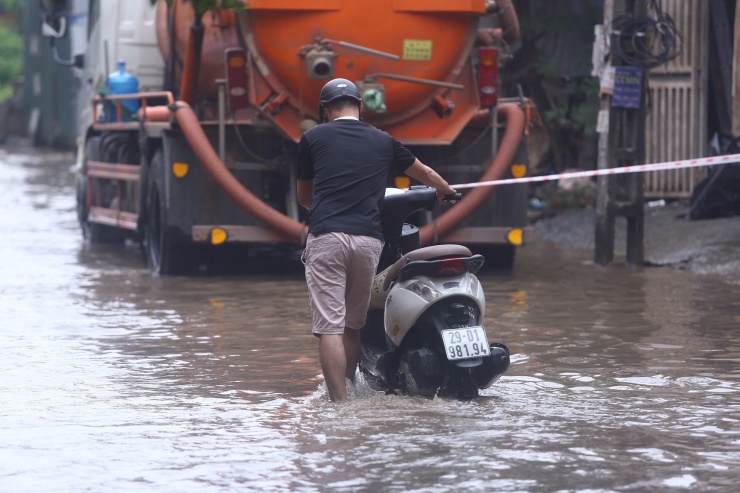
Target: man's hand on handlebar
point(452, 198)
point(447, 195)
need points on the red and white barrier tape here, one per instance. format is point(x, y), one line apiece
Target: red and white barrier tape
point(689, 163)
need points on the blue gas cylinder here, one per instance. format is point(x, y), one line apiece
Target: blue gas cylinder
point(122, 82)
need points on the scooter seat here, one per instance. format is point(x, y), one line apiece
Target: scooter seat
point(426, 253)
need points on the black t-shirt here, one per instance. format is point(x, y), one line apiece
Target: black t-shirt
point(349, 162)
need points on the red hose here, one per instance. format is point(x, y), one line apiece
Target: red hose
point(509, 21)
point(192, 61)
point(295, 231)
point(188, 121)
point(442, 225)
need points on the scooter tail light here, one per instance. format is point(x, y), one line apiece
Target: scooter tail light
point(423, 291)
point(450, 267)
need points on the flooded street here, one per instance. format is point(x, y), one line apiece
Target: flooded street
point(112, 380)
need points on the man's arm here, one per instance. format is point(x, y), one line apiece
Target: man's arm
point(426, 175)
point(304, 190)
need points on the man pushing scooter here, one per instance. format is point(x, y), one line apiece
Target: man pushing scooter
point(343, 170)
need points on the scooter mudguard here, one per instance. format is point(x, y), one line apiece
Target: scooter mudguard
point(492, 367)
point(375, 366)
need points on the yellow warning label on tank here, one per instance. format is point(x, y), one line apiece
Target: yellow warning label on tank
point(417, 49)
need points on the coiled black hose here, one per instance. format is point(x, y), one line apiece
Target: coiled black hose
point(648, 41)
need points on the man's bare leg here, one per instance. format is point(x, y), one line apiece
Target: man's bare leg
point(334, 365)
point(351, 340)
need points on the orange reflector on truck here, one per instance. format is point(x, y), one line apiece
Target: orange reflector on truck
point(515, 236)
point(180, 169)
point(235, 61)
point(402, 182)
point(218, 236)
point(488, 81)
point(236, 78)
point(518, 170)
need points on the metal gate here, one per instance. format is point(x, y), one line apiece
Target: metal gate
point(677, 117)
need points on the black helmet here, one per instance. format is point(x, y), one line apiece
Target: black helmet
point(336, 89)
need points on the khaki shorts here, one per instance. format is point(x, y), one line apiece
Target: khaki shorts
point(339, 273)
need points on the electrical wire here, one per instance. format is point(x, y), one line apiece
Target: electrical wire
point(455, 158)
point(647, 41)
point(246, 148)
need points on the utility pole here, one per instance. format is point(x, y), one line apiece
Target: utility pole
point(736, 75)
point(622, 143)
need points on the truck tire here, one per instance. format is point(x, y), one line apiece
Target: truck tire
point(501, 257)
point(93, 232)
point(498, 257)
point(163, 256)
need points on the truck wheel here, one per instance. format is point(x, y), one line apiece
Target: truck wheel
point(93, 232)
point(498, 257)
point(163, 256)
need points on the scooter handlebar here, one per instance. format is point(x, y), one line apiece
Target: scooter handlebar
point(397, 207)
point(452, 198)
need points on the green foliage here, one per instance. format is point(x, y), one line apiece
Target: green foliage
point(11, 6)
point(580, 107)
point(11, 59)
point(546, 66)
point(571, 98)
point(553, 64)
point(203, 6)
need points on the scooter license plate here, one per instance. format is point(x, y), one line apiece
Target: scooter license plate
point(465, 343)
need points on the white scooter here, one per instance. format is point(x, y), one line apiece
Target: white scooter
point(424, 332)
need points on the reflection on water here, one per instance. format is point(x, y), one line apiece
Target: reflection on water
point(621, 379)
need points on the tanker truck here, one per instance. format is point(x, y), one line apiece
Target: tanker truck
point(198, 164)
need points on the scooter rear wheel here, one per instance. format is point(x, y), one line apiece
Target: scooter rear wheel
point(420, 372)
point(459, 384)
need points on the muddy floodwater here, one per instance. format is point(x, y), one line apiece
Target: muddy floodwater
point(622, 380)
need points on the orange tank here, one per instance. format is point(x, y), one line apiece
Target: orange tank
point(410, 59)
point(221, 31)
point(427, 88)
